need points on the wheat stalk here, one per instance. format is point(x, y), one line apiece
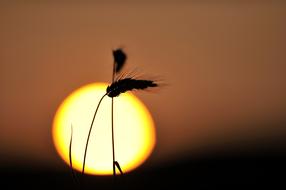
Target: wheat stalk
point(119, 61)
point(114, 90)
point(89, 132)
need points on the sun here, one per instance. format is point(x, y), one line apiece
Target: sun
point(134, 130)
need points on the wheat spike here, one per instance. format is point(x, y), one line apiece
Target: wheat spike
point(128, 84)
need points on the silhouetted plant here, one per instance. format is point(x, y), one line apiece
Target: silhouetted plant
point(70, 158)
point(113, 90)
point(128, 84)
point(119, 61)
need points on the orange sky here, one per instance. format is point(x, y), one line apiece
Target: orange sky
point(224, 64)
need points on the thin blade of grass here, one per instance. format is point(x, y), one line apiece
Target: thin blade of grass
point(118, 167)
point(70, 158)
point(90, 128)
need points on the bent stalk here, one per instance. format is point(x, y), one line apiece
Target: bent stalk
point(90, 128)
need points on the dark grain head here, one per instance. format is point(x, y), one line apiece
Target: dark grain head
point(128, 84)
point(119, 59)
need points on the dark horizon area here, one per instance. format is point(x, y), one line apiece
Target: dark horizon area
point(247, 169)
point(256, 165)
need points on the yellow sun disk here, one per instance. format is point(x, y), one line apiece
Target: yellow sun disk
point(133, 128)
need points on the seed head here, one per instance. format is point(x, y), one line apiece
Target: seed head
point(119, 59)
point(128, 84)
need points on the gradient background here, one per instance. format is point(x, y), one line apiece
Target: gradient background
point(220, 120)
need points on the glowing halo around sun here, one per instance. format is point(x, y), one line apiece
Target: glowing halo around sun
point(133, 129)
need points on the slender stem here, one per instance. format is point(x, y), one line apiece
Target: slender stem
point(70, 150)
point(113, 72)
point(90, 128)
point(112, 126)
point(70, 157)
point(112, 131)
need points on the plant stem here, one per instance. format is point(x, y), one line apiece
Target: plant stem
point(112, 124)
point(70, 152)
point(112, 131)
point(90, 128)
point(70, 158)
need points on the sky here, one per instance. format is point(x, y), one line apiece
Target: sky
point(223, 64)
